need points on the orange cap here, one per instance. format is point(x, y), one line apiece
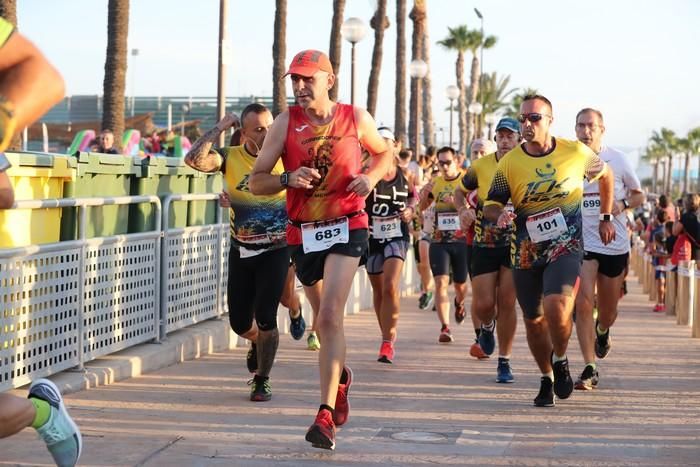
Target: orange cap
point(308, 62)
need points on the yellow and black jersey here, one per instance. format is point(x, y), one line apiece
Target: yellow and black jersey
point(546, 191)
point(256, 221)
point(446, 223)
point(479, 177)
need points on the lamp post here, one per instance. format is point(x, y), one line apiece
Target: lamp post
point(490, 119)
point(418, 69)
point(452, 92)
point(475, 109)
point(353, 30)
point(134, 53)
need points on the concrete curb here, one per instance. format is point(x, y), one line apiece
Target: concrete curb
point(185, 344)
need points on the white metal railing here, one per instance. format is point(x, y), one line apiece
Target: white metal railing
point(67, 303)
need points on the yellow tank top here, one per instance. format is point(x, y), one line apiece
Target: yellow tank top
point(256, 221)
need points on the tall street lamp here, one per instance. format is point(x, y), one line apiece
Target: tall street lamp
point(475, 109)
point(452, 92)
point(490, 120)
point(418, 69)
point(353, 30)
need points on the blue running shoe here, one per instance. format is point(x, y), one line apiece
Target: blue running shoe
point(504, 374)
point(297, 325)
point(487, 341)
point(60, 433)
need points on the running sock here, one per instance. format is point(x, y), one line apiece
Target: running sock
point(556, 358)
point(600, 330)
point(261, 378)
point(444, 326)
point(43, 412)
point(294, 314)
point(326, 407)
point(549, 375)
point(489, 327)
point(504, 357)
point(592, 365)
point(267, 344)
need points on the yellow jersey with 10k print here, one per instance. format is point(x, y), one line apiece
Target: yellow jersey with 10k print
point(546, 191)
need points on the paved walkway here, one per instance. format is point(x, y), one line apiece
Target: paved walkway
point(435, 405)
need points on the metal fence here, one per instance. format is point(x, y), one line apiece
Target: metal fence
point(67, 303)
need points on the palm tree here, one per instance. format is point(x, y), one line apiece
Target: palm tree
point(335, 46)
point(693, 150)
point(426, 90)
point(667, 141)
point(457, 40)
point(493, 94)
point(653, 155)
point(477, 41)
point(379, 23)
point(517, 100)
point(279, 52)
point(418, 16)
point(115, 67)
point(400, 89)
point(688, 146)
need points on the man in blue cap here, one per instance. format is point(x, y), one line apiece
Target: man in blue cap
point(492, 279)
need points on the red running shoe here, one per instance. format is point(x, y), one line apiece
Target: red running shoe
point(342, 404)
point(386, 352)
point(476, 351)
point(322, 433)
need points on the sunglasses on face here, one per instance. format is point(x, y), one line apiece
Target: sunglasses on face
point(532, 117)
point(445, 163)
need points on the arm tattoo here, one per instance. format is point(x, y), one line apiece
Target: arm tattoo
point(201, 157)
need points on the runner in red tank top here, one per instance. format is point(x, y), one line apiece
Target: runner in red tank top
point(319, 142)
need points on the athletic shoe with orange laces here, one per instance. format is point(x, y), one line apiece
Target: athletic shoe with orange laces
point(476, 351)
point(386, 352)
point(322, 433)
point(342, 404)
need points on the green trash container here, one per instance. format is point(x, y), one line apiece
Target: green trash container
point(204, 212)
point(99, 175)
point(160, 176)
point(34, 175)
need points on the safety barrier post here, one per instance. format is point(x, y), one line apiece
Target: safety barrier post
point(684, 304)
point(671, 291)
point(696, 309)
point(647, 271)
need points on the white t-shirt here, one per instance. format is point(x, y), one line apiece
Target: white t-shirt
point(625, 179)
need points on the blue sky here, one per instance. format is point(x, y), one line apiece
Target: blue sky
point(637, 61)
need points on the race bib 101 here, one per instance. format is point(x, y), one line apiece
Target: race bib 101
point(447, 221)
point(386, 227)
point(319, 236)
point(546, 225)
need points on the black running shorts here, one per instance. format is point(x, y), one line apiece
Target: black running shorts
point(309, 266)
point(487, 260)
point(608, 265)
point(559, 277)
point(446, 255)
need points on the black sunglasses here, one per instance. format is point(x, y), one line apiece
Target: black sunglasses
point(532, 117)
point(445, 163)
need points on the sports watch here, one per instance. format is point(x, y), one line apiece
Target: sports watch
point(284, 179)
point(606, 217)
point(625, 203)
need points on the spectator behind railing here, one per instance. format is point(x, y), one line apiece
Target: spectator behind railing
point(104, 143)
point(688, 227)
